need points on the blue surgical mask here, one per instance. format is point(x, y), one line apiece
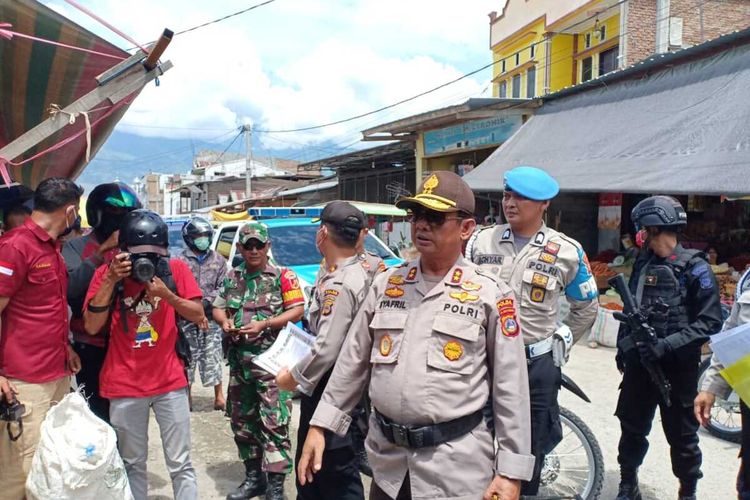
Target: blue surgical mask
point(202, 243)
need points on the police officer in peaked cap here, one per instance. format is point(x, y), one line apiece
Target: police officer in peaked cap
point(433, 340)
point(540, 265)
point(677, 292)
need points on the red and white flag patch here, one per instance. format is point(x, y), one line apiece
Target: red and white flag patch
point(6, 268)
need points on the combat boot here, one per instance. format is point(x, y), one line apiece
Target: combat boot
point(254, 483)
point(275, 490)
point(687, 490)
point(628, 486)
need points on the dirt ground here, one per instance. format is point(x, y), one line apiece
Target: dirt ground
point(219, 470)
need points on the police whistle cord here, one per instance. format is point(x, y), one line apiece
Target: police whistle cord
point(640, 332)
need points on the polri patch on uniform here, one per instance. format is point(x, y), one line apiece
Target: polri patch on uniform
point(650, 280)
point(470, 286)
point(505, 307)
point(327, 306)
point(394, 292)
point(548, 258)
point(509, 326)
point(386, 345)
point(537, 294)
point(396, 279)
point(331, 292)
point(552, 248)
point(457, 275)
point(412, 274)
point(453, 350)
point(540, 280)
point(464, 296)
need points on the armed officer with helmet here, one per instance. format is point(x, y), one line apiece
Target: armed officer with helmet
point(678, 295)
point(540, 265)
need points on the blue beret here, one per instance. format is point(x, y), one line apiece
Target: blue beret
point(531, 182)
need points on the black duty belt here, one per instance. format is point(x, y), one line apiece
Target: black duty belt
point(424, 436)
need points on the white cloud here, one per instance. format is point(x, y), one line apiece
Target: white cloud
point(296, 63)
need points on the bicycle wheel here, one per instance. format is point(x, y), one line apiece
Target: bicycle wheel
point(575, 467)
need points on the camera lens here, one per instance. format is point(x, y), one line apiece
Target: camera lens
point(143, 270)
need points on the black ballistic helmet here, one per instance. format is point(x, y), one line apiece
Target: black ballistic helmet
point(114, 194)
point(663, 212)
point(143, 231)
point(194, 228)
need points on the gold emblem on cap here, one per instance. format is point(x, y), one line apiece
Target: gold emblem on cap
point(453, 351)
point(430, 184)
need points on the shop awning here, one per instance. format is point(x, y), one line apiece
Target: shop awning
point(678, 123)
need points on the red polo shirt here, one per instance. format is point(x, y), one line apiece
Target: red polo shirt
point(34, 332)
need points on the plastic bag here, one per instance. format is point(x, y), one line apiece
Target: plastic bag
point(77, 457)
point(605, 328)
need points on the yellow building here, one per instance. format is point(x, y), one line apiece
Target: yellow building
point(541, 46)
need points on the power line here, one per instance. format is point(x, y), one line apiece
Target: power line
point(225, 17)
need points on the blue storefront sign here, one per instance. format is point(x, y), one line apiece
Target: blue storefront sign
point(469, 135)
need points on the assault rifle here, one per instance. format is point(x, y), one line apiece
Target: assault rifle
point(640, 332)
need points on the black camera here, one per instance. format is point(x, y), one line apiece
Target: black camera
point(144, 266)
point(11, 412)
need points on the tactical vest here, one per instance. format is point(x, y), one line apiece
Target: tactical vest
point(664, 294)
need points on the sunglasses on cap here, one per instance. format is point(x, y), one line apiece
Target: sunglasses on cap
point(432, 217)
point(253, 245)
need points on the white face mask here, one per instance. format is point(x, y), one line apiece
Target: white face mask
point(202, 243)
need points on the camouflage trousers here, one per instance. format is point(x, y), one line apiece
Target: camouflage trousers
point(260, 413)
point(205, 351)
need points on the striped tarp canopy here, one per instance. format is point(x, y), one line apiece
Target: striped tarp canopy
point(36, 75)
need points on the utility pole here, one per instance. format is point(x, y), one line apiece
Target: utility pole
point(248, 131)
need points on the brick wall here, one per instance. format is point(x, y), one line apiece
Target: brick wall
point(719, 17)
point(641, 30)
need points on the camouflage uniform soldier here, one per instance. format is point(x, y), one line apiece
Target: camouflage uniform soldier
point(254, 303)
point(209, 269)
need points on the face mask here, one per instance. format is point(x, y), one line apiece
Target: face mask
point(70, 227)
point(202, 243)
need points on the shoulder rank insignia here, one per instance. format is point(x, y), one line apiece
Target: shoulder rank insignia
point(412, 274)
point(464, 296)
point(552, 248)
point(365, 265)
point(539, 238)
point(394, 292)
point(453, 351)
point(396, 279)
point(470, 287)
point(457, 275)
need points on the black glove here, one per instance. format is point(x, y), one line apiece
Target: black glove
point(653, 351)
point(208, 309)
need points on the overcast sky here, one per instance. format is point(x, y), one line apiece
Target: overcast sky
point(295, 63)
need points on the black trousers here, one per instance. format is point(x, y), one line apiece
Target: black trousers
point(743, 478)
point(546, 431)
point(637, 404)
point(339, 477)
point(92, 360)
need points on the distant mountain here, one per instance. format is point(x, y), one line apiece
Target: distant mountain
point(127, 156)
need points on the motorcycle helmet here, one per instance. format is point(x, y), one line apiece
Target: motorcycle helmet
point(198, 234)
point(107, 205)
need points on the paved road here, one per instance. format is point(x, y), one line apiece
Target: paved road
point(219, 470)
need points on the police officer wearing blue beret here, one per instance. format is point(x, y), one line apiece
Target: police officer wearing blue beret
point(540, 264)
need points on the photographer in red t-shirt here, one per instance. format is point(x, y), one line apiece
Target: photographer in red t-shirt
point(143, 291)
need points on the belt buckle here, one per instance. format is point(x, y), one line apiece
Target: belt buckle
point(400, 435)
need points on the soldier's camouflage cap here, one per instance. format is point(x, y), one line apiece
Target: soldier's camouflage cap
point(253, 230)
point(443, 191)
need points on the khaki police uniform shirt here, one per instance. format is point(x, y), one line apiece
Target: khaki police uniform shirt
point(550, 265)
point(434, 354)
point(334, 302)
point(713, 381)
